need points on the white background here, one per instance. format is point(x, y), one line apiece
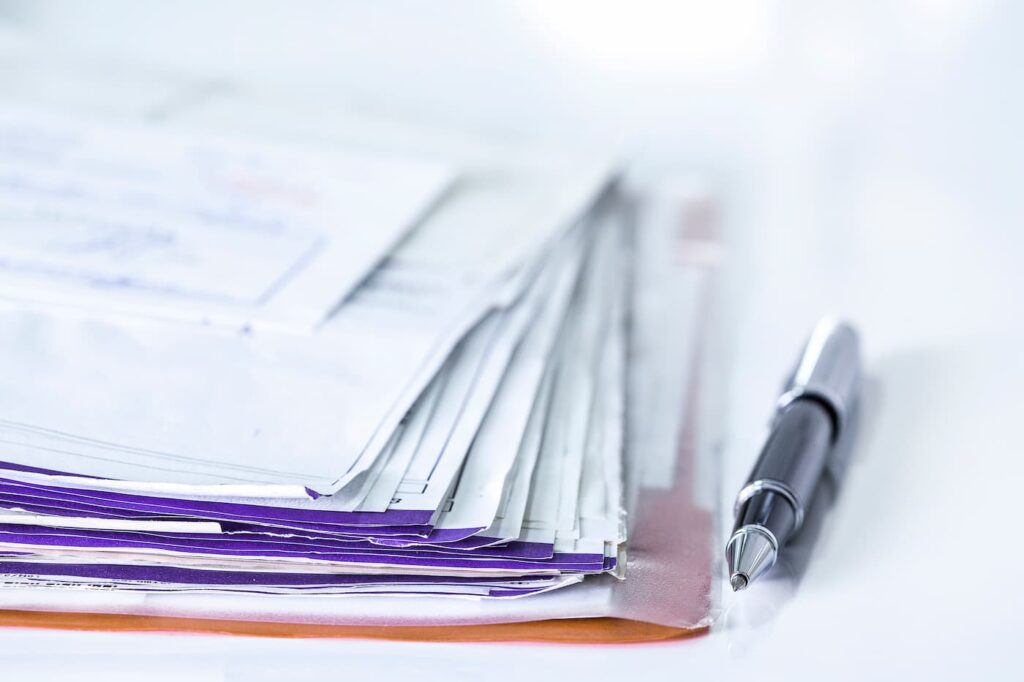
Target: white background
point(869, 158)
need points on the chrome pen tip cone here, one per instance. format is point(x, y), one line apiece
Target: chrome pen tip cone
point(750, 553)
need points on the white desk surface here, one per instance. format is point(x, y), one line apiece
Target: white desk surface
point(869, 158)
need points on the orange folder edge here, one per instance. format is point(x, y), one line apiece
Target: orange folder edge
point(574, 630)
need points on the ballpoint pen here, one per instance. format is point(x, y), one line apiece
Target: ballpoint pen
point(812, 411)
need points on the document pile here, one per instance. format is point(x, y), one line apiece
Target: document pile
point(242, 368)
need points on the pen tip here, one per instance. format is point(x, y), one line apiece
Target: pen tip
point(738, 582)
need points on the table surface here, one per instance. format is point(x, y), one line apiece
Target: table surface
point(867, 157)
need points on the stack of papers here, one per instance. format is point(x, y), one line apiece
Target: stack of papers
point(236, 367)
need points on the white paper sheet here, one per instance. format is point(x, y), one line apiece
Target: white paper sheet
point(198, 228)
point(498, 444)
point(226, 405)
